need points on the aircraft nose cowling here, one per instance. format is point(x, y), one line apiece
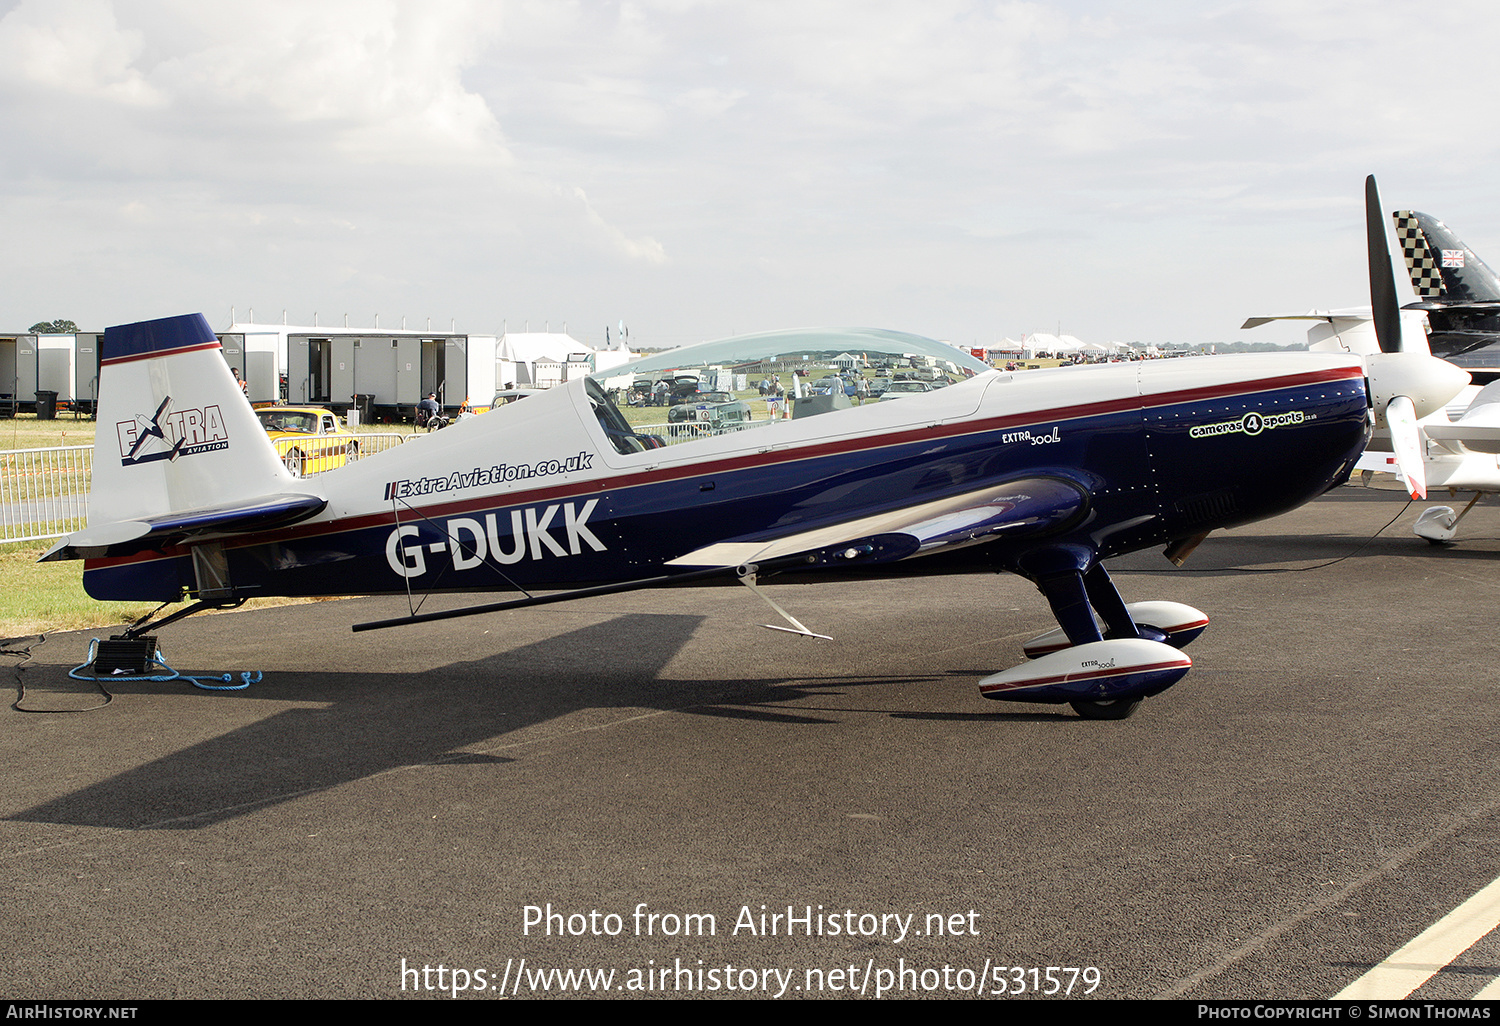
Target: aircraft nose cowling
point(1256, 437)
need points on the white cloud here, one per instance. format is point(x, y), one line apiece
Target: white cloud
point(791, 157)
point(644, 249)
point(339, 136)
point(383, 78)
point(75, 47)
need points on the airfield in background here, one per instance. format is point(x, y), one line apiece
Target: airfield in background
point(1318, 791)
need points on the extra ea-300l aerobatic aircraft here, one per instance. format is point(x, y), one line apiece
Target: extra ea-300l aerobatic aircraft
point(1044, 473)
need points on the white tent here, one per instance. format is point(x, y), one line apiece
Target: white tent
point(519, 352)
point(1039, 342)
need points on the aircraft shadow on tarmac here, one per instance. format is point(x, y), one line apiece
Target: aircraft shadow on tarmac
point(375, 722)
point(1269, 550)
point(372, 722)
point(1272, 545)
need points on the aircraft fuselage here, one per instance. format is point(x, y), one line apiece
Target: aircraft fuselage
point(535, 494)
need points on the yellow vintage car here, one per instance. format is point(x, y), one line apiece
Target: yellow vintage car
point(310, 439)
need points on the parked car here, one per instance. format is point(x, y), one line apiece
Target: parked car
point(513, 395)
point(310, 439)
point(683, 388)
point(902, 389)
point(713, 414)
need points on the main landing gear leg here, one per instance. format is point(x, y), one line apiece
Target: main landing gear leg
point(1105, 598)
point(1068, 596)
point(1075, 598)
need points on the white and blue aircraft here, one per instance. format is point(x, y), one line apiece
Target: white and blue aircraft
point(1045, 474)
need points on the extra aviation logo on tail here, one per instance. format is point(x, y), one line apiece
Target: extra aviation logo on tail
point(168, 434)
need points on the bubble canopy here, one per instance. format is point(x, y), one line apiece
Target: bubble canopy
point(870, 346)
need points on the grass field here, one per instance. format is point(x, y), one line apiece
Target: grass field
point(39, 598)
point(26, 432)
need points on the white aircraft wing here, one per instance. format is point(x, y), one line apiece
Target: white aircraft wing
point(1475, 435)
point(1478, 429)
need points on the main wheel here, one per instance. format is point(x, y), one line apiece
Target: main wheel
point(295, 462)
point(352, 453)
point(1110, 709)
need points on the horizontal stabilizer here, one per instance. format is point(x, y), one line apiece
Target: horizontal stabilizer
point(125, 537)
point(1015, 508)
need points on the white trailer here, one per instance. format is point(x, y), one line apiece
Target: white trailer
point(18, 372)
point(56, 363)
point(86, 371)
point(389, 371)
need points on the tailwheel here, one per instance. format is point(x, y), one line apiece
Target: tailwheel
point(1115, 709)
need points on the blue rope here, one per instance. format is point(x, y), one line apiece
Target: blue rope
point(247, 677)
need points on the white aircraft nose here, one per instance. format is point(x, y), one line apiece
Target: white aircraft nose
point(1428, 382)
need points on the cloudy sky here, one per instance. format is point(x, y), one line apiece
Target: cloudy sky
point(696, 168)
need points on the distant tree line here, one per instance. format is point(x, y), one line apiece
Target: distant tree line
point(57, 327)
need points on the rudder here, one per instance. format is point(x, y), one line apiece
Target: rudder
point(174, 429)
point(1441, 267)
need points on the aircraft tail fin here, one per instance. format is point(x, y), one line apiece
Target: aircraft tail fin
point(179, 455)
point(1442, 268)
point(175, 431)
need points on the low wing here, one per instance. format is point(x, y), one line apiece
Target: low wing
point(124, 537)
point(1478, 435)
point(1031, 505)
point(1478, 430)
